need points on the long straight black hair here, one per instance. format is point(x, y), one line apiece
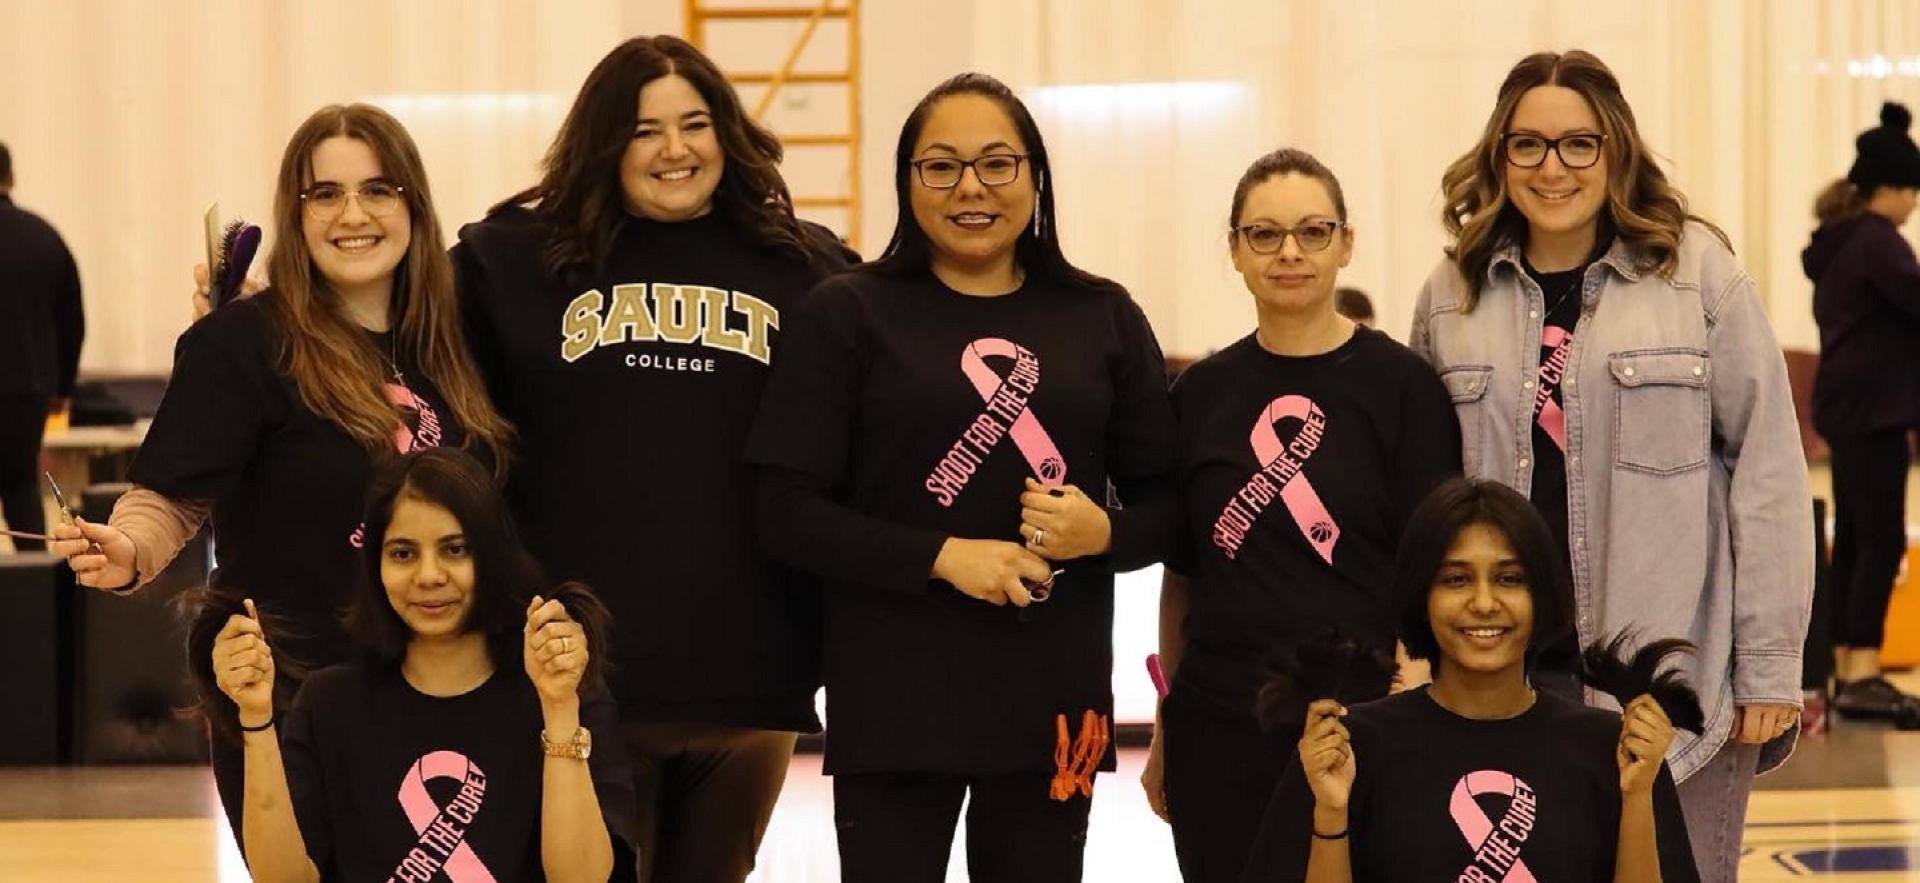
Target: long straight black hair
point(1038, 249)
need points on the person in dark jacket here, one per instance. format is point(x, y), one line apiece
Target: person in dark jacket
point(1866, 396)
point(41, 326)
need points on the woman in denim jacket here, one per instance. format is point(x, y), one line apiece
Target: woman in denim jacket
point(1608, 357)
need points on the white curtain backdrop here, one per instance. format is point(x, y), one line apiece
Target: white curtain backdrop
point(127, 117)
point(1153, 108)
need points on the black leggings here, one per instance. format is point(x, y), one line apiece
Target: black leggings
point(23, 420)
point(705, 793)
point(1220, 773)
point(898, 827)
point(1870, 531)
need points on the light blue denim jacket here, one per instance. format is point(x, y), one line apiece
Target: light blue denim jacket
point(1687, 500)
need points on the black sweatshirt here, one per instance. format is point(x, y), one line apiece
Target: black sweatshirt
point(633, 391)
point(41, 319)
point(1866, 299)
point(1298, 474)
point(1438, 798)
point(904, 413)
point(288, 487)
point(389, 783)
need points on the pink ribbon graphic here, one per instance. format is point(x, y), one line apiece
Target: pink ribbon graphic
point(442, 829)
point(405, 439)
point(1007, 397)
point(1303, 503)
point(1552, 368)
point(1496, 847)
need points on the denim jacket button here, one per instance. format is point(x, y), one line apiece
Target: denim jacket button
point(1627, 370)
point(1527, 385)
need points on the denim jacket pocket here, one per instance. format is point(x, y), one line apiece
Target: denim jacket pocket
point(1661, 423)
point(1467, 386)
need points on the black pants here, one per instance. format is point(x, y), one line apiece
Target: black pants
point(705, 793)
point(1870, 531)
point(898, 828)
point(1220, 773)
point(23, 420)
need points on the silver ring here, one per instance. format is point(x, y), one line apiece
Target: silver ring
point(564, 643)
point(1039, 537)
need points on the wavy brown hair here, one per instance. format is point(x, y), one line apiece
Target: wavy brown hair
point(580, 195)
point(339, 373)
point(1643, 209)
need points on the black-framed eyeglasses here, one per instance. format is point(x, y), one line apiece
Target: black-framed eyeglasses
point(992, 170)
point(1312, 235)
point(1528, 150)
point(377, 198)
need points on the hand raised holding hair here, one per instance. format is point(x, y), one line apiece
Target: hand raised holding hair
point(243, 667)
point(555, 652)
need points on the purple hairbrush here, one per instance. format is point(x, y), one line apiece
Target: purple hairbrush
point(237, 249)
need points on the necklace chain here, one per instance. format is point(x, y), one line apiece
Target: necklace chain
point(1578, 282)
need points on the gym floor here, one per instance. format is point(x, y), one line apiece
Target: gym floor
point(1847, 806)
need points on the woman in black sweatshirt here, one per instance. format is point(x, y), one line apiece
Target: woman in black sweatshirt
point(1866, 397)
point(947, 440)
point(626, 311)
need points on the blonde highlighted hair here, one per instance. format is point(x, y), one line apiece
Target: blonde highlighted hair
point(339, 373)
point(1643, 209)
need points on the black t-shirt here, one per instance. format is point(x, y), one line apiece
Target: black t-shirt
point(1298, 474)
point(288, 486)
point(389, 783)
point(1437, 796)
point(1561, 291)
point(911, 413)
point(634, 391)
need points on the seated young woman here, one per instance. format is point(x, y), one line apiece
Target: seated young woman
point(1479, 777)
point(458, 743)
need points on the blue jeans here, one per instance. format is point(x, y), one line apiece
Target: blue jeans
point(1714, 800)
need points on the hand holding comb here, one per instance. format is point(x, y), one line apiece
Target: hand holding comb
point(227, 276)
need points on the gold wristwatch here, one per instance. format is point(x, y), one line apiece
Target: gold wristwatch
point(576, 748)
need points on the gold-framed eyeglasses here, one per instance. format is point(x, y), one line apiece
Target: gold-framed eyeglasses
point(1312, 235)
point(992, 170)
point(1527, 150)
point(325, 201)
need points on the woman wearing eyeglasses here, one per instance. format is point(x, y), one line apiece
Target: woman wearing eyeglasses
point(939, 440)
point(1304, 447)
point(1607, 355)
point(281, 405)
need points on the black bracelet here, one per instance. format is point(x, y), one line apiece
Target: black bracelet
point(259, 729)
point(1340, 836)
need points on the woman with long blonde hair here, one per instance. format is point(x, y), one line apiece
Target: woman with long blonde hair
point(1608, 357)
point(281, 405)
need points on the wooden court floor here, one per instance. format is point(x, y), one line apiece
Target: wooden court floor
point(1847, 807)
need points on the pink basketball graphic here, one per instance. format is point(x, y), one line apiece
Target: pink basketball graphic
point(1052, 470)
